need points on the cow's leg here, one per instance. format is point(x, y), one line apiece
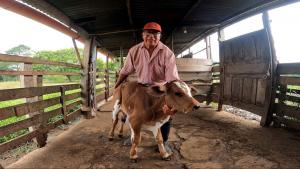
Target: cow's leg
point(115, 113)
point(135, 140)
point(159, 140)
point(123, 120)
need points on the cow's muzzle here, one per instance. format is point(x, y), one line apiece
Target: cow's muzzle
point(196, 107)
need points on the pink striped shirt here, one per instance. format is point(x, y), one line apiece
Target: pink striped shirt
point(158, 68)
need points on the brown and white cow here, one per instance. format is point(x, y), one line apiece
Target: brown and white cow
point(144, 109)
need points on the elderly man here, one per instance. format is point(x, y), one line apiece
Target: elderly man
point(154, 63)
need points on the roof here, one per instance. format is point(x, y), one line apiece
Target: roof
point(117, 23)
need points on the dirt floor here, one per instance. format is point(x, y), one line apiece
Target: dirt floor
point(204, 139)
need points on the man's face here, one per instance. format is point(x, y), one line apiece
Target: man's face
point(151, 37)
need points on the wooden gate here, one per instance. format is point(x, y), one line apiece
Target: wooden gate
point(246, 75)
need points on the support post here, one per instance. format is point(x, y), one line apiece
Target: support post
point(267, 117)
point(221, 58)
point(88, 80)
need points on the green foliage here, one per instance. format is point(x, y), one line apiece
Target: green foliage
point(63, 55)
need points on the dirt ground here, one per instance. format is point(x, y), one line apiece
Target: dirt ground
point(204, 139)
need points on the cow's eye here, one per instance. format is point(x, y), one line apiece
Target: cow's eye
point(178, 94)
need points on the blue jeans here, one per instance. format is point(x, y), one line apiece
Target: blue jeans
point(165, 130)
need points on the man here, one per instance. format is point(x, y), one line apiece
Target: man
point(154, 63)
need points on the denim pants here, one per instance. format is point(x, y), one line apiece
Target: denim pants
point(165, 130)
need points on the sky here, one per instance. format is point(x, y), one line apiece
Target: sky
point(16, 29)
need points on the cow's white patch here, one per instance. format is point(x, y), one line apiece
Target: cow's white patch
point(154, 129)
point(116, 110)
point(184, 87)
point(132, 133)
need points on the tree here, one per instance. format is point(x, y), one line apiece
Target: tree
point(18, 50)
point(21, 50)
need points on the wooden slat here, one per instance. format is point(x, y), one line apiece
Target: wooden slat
point(289, 123)
point(194, 68)
point(74, 115)
point(27, 108)
point(100, 82)
point(188, 76)
point(289, 98)
point(52, 113)
point(73, 105)
point(35, 73)
point(288, 68)
point(288, 110)
point(244, 68)
point(72, 96)
point(193, 61)
point(22, 59)
point(215, 69)
point(289, 80)
point(13, 127)
point(9, 94)
point(17, 141)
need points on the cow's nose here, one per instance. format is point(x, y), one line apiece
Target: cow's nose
point(196, 107)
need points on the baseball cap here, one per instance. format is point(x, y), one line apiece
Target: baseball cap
point(153, 26)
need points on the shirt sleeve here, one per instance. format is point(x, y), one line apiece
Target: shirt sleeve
point(171, 68)
point(128, 67)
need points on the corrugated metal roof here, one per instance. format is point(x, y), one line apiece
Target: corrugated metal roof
point(111, 22)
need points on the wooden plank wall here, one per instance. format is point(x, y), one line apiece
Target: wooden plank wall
point(287, 111)
point(246, 65)
point(199, 73)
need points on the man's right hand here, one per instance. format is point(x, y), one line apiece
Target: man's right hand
point(120, 80)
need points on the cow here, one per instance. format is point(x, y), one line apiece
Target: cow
point(145, 107)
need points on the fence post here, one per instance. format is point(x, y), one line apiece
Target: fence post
point(63, 104)
point(33, 81)
point(106, 77)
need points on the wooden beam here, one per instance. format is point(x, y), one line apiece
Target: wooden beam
point(23, 59)
point(77, 52)
point(31, 13)
point(288, 68)
point(266, 118)
point(130, 19)
point(288, 80)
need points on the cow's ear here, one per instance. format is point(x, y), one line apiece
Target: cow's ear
point(194, 90)
point(157, 90)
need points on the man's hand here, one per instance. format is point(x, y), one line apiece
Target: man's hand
point(120, 80)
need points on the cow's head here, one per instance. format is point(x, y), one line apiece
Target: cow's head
point(178, 96)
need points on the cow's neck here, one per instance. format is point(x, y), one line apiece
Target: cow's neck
point(160, 114)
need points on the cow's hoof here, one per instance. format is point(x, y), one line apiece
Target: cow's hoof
point(120, 135)
point(167, 158)
point(134, 160)
point(110, 138)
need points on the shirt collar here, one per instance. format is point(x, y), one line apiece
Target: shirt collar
point(159, 45)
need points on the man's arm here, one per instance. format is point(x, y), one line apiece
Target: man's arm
point(121, 78)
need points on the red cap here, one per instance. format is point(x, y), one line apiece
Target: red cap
point(152, 25)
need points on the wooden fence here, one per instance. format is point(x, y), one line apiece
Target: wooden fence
point(105, 82)
point(43, 108)
point(287, 103)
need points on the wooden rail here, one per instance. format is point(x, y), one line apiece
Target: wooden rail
point(22, 59)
